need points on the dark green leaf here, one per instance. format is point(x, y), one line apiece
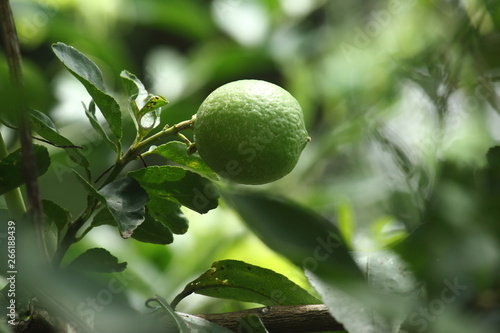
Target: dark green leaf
point(90, 76)
point(97, 260)
point(163, 217)
point(176, 152)
point(59, 215)
point(90, 113)
point(11, 168)
point(237, 280)
point(152, 231)
point(178, 185)
point(44, 126)
point(169, 214)
point(125, 200)
point(306, 238)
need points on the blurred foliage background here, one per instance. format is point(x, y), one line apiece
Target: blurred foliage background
point(389, 90)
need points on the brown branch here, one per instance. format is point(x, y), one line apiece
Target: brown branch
point(11, 43)
point(281, 318)
point(13, 55)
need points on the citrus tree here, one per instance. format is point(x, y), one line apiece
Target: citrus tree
point(424, 260)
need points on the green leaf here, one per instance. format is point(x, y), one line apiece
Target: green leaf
point(174, 318)
point(145, 107)
point(44, 126)
point(90, 76)
point(148, 116)
point(386, 273)
point(302, 236)
point(152, 231)
point(197, 324)
point(59, 215)
point(237, 280)
point(178, 185)
point(176, 151)
point(182, 322)
point(165, 218)
point(125, 200)
point(90, 113)
point(169, 214)
point(152, 103)
point(97, 260)
point(136, 90)
point(11, 168)
point(132, 84)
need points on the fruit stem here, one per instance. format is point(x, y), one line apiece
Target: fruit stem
point(167, 131)
point(138, 147)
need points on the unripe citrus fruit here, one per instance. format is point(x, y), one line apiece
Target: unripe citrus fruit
point(250, 131)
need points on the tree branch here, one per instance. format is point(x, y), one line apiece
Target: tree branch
point(281, 318)
point(13, 55)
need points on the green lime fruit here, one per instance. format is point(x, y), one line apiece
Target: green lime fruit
point(250, 131)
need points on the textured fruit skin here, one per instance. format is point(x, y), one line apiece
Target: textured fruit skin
point(250, 131)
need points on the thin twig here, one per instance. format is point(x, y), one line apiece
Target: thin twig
point(40, 139)
point(56, 145)
point(142, 160)
point(103, 174)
